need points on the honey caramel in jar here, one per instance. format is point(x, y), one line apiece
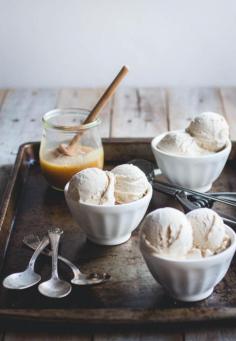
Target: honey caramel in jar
point(60, 126)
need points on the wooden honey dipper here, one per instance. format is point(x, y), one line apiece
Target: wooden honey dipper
point(70, 149)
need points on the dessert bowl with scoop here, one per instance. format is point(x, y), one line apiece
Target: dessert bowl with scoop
point(194, 172)
point(108, 225)
point(190, 280)
point(186, 262)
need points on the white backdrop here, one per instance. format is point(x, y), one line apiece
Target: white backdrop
point(54, 43)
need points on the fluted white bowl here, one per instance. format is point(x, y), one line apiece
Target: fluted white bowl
point(193, 172)
point(190, 280)
point(109, 225)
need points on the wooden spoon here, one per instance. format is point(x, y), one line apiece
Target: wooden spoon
point(70, 149)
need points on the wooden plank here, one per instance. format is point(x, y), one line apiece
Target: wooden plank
point(227, 334)
point(185, 103)
point(206, 334)
point(228, 97)
point(139, 112)
point(86, 98)
point(116, 336)
point(20, 118)
point(98, 336)
point(161, 336)
point(2, 334)
point(46, 336)
point(138, 336)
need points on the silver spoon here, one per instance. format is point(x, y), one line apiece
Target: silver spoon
point(33, 240)
point(55, 287)
point(27, 278)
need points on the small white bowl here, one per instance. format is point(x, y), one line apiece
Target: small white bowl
point(109, 225)
point(193, 172)
point(190, 280)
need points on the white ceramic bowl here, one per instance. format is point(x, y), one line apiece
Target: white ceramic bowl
point(190, 280)
point(109, 225)
point(193, 172)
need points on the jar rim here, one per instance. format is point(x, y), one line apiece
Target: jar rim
point(72, 129)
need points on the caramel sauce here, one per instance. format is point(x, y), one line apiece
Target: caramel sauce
point(58, 169)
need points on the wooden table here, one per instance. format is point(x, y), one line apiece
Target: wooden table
point(133, 112)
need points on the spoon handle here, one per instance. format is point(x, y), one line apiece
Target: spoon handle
point(44, 242)
point(54, 237)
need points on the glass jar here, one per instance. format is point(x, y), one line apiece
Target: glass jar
point(59, 127)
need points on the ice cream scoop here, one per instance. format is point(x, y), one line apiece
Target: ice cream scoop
point(180, 143)
point(210, 130)
point(92, 186)
point(209, 234)
point(167, 232)
point(130, 183)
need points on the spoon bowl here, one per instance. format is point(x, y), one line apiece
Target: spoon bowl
point(92, 279)
point(21, 280)
point(55, 288)
point(27, 278)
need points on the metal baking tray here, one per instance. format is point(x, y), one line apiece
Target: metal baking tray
point(132, 296)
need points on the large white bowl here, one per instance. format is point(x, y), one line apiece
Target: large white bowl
point(193, 172)
point(109, 225)
point(190, 280)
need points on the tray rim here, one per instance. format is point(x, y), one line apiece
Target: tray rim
point(99, 316)
point(120, 315)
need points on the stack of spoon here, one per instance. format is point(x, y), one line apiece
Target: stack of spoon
point(55, 287)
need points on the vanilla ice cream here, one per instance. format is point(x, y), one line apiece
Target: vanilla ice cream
point(209, 234)
point(170, 233)
point(210, 131)
point(92, 186)
point(180, 143)
point(130, 183)
point(167, 232)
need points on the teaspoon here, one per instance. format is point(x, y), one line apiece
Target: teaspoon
point(33, 240)
point(27, 278)
point(55, 287)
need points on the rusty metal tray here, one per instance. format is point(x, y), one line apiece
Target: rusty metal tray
point(132, 296)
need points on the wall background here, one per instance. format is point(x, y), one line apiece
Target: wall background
point(84, 42)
